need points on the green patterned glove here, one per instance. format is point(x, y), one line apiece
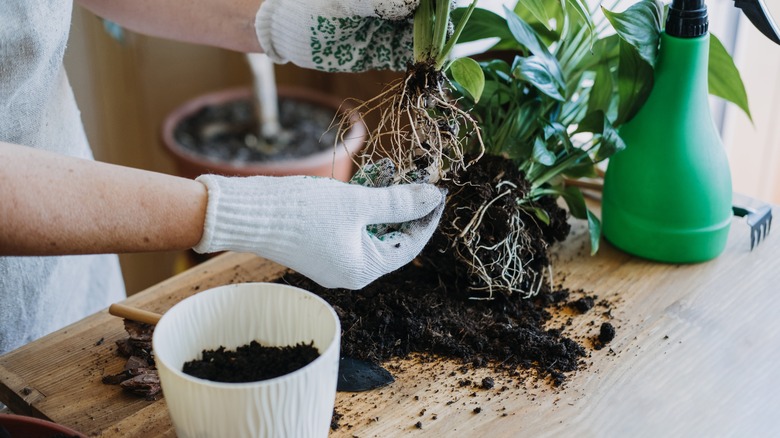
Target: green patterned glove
point(337, 35)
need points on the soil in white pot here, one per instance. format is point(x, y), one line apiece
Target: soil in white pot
point(252, 362)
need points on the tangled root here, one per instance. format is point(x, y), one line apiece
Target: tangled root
point(502, 266)
point(419, 127)
point(489, 236)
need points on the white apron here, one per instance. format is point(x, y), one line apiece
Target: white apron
point(39, 295)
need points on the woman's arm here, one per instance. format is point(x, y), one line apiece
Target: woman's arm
point(52, 204)
point(229, 24)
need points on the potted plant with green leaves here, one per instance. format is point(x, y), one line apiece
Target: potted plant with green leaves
point(553, 109)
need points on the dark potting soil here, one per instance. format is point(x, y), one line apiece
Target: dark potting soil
point(250, 363)
point(230, 132)
point(413, 310)
point(427, 307)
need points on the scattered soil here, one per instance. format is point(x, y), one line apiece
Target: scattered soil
point(250, 363)
point(230, 132)
point(605, 336)
point(427, 308)
point(414, 311)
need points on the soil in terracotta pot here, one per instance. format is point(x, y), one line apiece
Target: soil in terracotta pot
point(230, 132)
point(251, 362)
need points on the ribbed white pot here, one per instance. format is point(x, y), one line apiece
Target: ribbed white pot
point(298, 404)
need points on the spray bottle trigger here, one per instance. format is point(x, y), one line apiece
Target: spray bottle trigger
point(758, 14)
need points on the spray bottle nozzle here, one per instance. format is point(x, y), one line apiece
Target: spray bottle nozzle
point(758, 14)
point(687, 19)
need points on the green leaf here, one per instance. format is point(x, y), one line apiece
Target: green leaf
point(584, 170)
point(526, 120)
point(542, 215)
point(724, 78)
point(538, 9)
point(575, 201)
point(577, 207)
point(553, 10)
point(610, 142)
point(635, 80)
point(541, 154)
point(640, 25)
point(469, 74)
point(537, 72)
point(482, 24)
point(605, 51)
point(592, 122)
point(603, 90)
point(492, 94)
point(525, 35)
point(582, 9)
point(498, 66)
point(594, 229)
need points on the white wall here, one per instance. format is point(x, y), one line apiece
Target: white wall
point(754, 148)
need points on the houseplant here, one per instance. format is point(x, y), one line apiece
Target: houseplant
point(554, 109)
point(546, 103)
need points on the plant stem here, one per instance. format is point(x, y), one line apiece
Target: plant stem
point(445, 52)
point(423, 36)
point(440, 25)
point(431, 22)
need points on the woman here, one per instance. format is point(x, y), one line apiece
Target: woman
point(63, 215)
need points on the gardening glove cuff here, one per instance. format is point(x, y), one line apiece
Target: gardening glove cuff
point(337, 35)
point(319, 227)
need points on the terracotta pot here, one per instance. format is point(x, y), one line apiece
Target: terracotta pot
point(332, 162)
point(29, 427)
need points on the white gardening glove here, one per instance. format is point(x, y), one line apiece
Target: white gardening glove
point(337, 35)
point(318, 226)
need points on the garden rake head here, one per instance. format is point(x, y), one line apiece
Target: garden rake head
point(759, 219)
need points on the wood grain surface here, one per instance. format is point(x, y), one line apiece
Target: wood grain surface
point(696, 354)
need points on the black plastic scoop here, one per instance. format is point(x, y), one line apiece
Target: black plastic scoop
point(356, 375)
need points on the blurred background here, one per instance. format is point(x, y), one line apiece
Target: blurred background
point(127, 83)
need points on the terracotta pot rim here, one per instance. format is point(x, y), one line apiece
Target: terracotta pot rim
point(35, 425)
point(354, 139)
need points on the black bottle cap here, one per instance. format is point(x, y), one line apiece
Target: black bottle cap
point(687, 19)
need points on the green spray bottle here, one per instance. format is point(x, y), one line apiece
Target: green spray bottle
point(667, 196)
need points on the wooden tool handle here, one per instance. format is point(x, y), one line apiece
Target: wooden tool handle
point(134, 314)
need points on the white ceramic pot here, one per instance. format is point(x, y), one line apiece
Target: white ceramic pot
point(298, 404)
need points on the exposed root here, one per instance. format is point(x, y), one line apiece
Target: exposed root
point(505, 266)
point(420, 127)
point(490, 236)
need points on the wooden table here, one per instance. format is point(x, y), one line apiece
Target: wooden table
point(697, 353)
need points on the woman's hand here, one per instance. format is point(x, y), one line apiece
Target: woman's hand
point(318, 226)
point(338, 35)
